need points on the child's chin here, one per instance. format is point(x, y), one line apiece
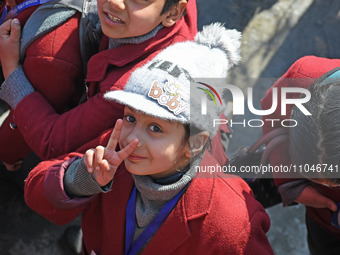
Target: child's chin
point(135, 171)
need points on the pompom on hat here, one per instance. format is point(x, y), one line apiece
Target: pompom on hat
point(161, 88)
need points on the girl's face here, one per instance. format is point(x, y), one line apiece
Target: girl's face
point(129, 18)
point(160, 151)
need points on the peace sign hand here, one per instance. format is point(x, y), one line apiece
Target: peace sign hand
point(102, 162)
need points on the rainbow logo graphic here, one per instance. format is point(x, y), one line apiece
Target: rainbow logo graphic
point(209, 93)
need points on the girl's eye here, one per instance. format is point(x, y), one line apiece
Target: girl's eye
point(129, 118)
point(155, 128)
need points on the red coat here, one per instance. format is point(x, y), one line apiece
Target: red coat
point(216, 215)
point(53, 65)
point(51, 134)
point(304, 71)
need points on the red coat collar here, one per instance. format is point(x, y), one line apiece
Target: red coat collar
point(192, 206)
point(186, 28)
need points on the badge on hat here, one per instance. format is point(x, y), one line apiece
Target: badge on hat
point(170, 95)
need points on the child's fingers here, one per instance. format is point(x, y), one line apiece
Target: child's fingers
point(88, 160)
point(114, 138)
point(98, 157)
point(324, 202)
point(12, 167)
point(106, 166)
point(127, 150)
point(5, 28)
point(331, 205)
point(313, 198)
point(15, 30)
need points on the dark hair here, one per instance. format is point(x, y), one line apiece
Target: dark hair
point(169, 4)
point(316, 138)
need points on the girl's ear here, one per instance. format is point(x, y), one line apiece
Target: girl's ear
point(197, 142)
point(174, 14)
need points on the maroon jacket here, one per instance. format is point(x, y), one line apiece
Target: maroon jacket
point(216, 215)
point(53, 65)
point(304, 71)
point(51, 134)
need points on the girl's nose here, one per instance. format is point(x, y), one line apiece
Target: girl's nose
point(135, 133)
point(117, 4)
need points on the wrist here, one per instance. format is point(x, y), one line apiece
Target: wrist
point(15, 88)
point(9, 68)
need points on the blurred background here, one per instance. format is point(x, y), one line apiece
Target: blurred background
point(275, 34)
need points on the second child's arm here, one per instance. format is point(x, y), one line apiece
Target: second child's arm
point(10, 33)
point(313, 198)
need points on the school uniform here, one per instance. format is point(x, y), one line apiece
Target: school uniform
point(53, 65)
point(301, 74)
point(217, 214)
point(190, 210)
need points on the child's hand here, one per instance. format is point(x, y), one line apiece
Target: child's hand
point(102, 162)
point(313, 198)
point(10, 33)
point(13, 167)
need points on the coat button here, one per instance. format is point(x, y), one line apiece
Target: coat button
point(13, 126)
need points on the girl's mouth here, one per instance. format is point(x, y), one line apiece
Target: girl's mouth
point(114, 18)
point(134, 157)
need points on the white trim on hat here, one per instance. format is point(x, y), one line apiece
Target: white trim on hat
point(144, 104)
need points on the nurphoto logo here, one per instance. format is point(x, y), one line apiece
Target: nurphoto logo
point(239, 101)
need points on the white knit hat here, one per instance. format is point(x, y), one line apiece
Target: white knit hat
point(161, 88)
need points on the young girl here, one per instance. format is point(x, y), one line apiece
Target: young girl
point(313, 144)
point(151, 195)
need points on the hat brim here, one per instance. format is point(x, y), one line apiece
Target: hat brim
point(143, 104)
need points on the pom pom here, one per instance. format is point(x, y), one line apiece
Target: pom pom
point(217, 36)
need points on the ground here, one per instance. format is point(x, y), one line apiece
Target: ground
point(275, 34)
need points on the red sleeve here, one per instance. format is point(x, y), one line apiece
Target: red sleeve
point(301, 74)
point(44, 192)
point(257, 238)
point(15, 148)
point(53, 65)
point(252, 234)
point(50, 134)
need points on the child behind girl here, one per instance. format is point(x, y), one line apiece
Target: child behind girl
point(158, 202)
point(313, 145)
point(134, 32)
point(50, 53)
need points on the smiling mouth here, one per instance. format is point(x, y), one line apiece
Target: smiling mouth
point(114, 19)
point(135, 157)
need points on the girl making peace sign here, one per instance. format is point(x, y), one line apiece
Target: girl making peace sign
point(149, 196)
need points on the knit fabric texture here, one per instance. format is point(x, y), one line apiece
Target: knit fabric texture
point(15, 88)
point(290, 191)
point(152, 196)
point(116, 42)
point(78, 182)
point(166, 86)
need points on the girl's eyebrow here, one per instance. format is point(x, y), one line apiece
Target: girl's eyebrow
point(151, 118)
